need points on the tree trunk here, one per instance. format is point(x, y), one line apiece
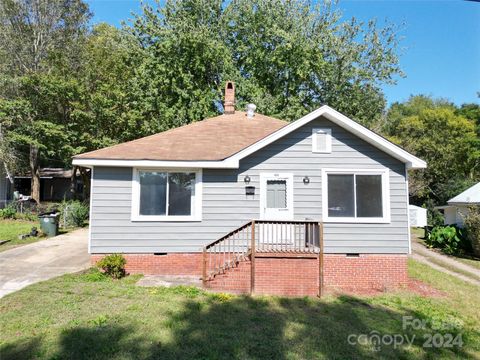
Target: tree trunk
point(73, 183)
point(35, 172)
point(86, 183)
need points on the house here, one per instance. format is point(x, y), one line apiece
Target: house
point(457, 207)
point(255, 204)
point(55, 184)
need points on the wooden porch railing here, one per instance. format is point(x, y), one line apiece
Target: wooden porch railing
point(263, 237)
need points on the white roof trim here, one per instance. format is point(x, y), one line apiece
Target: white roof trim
point(233, 161)
point(346, 123)
point(224, 164)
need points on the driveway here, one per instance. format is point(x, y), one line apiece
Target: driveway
point(43, 260)
point(443, 263)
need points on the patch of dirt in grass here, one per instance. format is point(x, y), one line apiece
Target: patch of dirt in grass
point(414, 286)
point(423, 289)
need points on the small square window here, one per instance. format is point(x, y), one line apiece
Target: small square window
point(321, 140)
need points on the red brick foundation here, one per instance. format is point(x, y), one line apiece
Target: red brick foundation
point(287, 276)
point(366, 272)
point(168, 264)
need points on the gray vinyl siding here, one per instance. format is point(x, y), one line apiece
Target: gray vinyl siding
point(225, 205)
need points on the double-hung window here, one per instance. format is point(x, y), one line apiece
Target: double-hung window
point(356, 196)
point(160, 195)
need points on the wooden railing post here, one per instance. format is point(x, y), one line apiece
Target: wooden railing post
point(252, 260)
point(204, 266)
point(320, 259)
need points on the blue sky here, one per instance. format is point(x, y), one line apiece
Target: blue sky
point(440, 46)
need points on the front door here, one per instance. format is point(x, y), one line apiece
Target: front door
point(276, 203)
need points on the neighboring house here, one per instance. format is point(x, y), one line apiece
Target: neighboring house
point(329, 196)
point(54, 184)
point(457, 208)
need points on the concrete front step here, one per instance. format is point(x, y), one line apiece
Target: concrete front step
point(170, 280)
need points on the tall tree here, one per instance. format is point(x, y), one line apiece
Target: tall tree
point(185, 63)
point(34, 35)
point(297, 57)
point(111, 108)
point(286, 56)
point(436, 132)
point(471, 111)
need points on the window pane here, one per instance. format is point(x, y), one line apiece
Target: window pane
point(369, 196)
point(153, 193)
point(276, 194)
point(340, 196)
point(181, 187)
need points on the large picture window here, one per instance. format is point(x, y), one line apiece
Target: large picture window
point(165, 195)
point(356, 196)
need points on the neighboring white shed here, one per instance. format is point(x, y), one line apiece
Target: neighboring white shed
point(417, 215)
point(457, 207)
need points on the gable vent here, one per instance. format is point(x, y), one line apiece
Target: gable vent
point(321, 140)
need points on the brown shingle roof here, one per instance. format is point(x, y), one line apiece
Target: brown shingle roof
point(215, 138)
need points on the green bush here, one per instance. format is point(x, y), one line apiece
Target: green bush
point(26, 216)
point(434, 216)
point(449, 239)
point(472, 228)
point(95, 275)
point(113, 265)
point(73, 213)
point(8, 212)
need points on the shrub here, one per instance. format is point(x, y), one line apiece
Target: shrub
point(26, 216)
point(95, 275)
point(449, 239)
point(113, 265)
point(472, 228)
point(8, 212)
point(434, 216)
point(73, 213)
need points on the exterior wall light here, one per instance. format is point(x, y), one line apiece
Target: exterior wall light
point(247, 179)
point(306, 180)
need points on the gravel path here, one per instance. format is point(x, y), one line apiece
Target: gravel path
point(445, 263)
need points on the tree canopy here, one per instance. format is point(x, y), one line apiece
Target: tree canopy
point(288, 57)
point(35, 37)
point(438, 132)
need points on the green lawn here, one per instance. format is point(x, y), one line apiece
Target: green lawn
point(85, 316)
point(418, 232)
point(10, 229)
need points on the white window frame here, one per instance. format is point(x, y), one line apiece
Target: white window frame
point(385, 219)
point(197, 198)
point(328, 145)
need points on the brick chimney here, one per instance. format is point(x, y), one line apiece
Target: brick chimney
point(229, 104)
